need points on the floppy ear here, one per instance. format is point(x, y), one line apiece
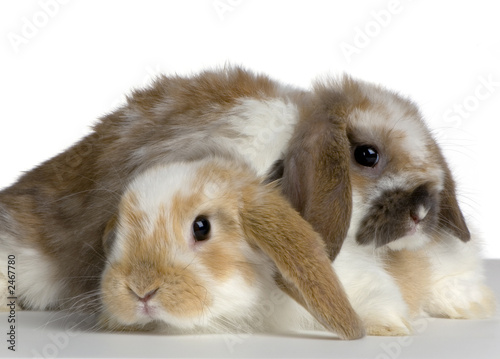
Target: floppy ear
point(450, 217)
point(315, 175)
point(305, 271)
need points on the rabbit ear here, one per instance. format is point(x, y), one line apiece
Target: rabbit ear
point(450, 217)
point(270, 223)
point(315, 176)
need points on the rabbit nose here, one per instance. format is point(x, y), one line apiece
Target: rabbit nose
point(418, 214)
point(145, 297)
point(415, 218)
point(148, 296)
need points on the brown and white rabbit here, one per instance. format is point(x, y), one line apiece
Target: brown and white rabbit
point(408, 250)
point(197, 247)
point(53, 218)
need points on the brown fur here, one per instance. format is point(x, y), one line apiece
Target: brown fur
point(147, 267)
point(395, 128)
point(62, 206)
point(450, 216)
point(352, 97)
point(243, 211)
point(227, 241)
point(411, 270)
point(188, 299)
point(299, 254)
point(315, 172)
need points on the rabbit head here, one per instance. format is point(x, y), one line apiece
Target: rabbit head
point(200, 243)
point(403, 190)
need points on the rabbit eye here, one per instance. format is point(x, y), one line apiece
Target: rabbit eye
point(201, 228)
point(366, 155)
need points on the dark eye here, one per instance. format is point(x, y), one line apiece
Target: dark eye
point(366, 155)
point(201, 228)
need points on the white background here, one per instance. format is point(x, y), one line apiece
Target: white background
point(66, 63)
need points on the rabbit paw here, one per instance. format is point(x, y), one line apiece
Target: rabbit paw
point(458, 298)
point(388, 326)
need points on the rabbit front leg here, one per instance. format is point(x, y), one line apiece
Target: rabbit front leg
point(457, 289)
point(372, 292)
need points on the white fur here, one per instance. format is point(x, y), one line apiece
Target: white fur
point(457, 283)
point(263, 129)
point(372, 292)
point(266, 128)
point(232, 301)
point(154, 190)
point(396, 120)
point(36, 281)
point(236, 305)
point(411, 242)
point(422, 212)
point(406, 181)
point(457, 288)
point(394, 117)
point(457, 280)
point(391, 115)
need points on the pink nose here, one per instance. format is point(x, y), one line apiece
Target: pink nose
point(416, 218)
point(148, 296)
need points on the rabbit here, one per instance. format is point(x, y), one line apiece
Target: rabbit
point(409, 251)
point(53, 218)
point(197, 246)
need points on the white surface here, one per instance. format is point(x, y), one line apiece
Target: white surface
point(57, 335)
point(77, 59)
point(77, 66)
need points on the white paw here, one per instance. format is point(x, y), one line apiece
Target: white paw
point(387, 325)
point(460, 298)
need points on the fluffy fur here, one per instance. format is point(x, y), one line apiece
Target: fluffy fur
point(408, 250)
point(158, 273)
point(58, 212)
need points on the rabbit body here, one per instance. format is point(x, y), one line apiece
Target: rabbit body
point(408, 250)
point(52, 219)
